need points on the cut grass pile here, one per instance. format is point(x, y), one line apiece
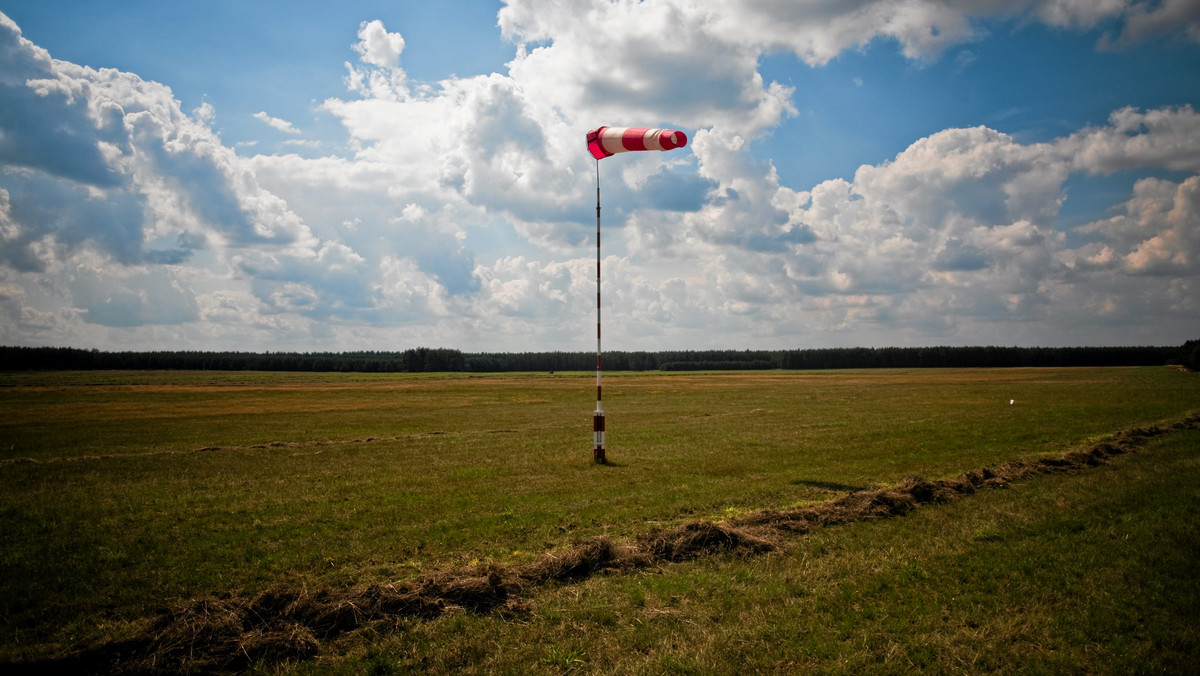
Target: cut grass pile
point(255, 494)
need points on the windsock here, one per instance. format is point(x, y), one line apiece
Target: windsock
point(608, 141)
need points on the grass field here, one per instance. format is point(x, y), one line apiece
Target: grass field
point(128, 493)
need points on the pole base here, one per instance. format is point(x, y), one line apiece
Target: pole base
point(598, 436)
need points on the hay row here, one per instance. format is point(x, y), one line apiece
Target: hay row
point(285, 623)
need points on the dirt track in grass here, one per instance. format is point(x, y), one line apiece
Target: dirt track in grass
point(288, 623)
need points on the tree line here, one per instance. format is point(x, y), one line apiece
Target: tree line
point(425, 360)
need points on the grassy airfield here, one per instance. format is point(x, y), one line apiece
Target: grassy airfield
point(131, 495)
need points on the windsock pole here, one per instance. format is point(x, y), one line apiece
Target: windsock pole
point(605, 142)
point(598, 415)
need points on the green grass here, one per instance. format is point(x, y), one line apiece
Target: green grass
point(321, 479)
point(1088, 573)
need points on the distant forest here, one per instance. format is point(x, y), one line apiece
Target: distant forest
point(423, 359)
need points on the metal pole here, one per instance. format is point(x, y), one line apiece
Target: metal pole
point(598, 415)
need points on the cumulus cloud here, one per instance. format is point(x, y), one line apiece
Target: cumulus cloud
point(128, 296)
point(103, 165)
point(817, 32)
point(377, 46)
point(117, 210)
point(1079, 13)
point(1149, 20)
point(32, 94)
point(1157, 234)
point(1133, 139)
point(136, 173)
point(610, 60)
point(380, 75)
point(957, 234)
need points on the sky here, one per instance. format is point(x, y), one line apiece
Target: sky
point(380, 175)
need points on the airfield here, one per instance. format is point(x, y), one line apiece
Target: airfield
point(850, 521)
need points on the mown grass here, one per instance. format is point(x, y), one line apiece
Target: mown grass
point(113, 510)
point(1085, 573)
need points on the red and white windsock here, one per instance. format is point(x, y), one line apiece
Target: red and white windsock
point(608, 141)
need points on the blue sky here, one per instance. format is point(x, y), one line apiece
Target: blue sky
point(247, 56)
point(1032, 81)
point(385, 174)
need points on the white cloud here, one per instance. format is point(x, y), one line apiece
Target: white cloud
point(381, 76)
point(275, 123)
point(615, 64)
point(818, 32)
point(1158, 232)
point(1149, 20)
point(379, 47)
point(128, 296)
point(21, 323)
point(205, 113)
point(956, 235)
point(1078, 13)
point(141, 225)
point(1166, 137)
point(302, 143)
